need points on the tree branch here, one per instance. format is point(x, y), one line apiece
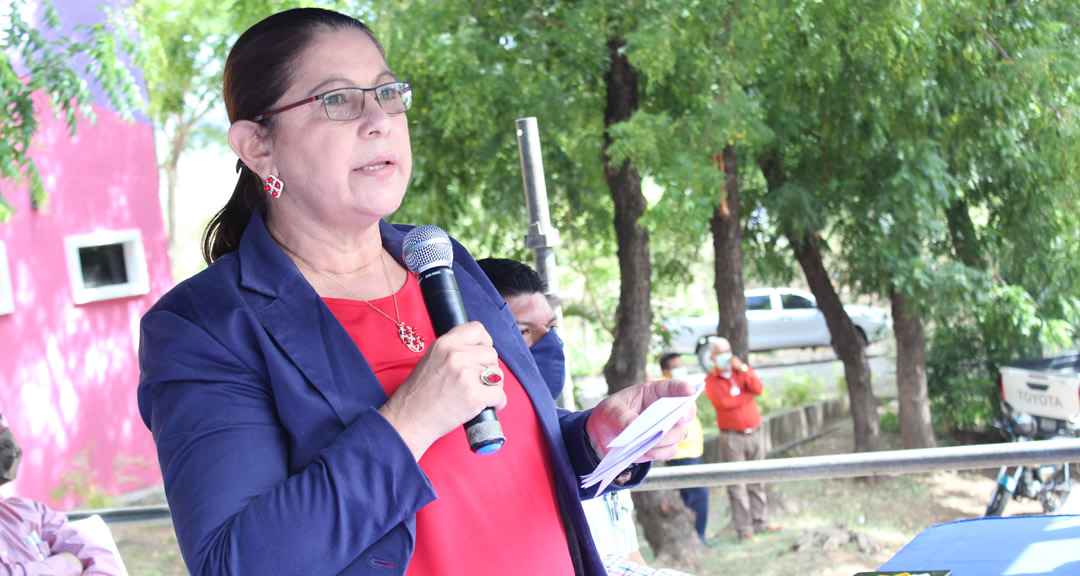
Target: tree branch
point(1000, 50)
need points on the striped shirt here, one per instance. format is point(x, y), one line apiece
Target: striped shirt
point(30, 532)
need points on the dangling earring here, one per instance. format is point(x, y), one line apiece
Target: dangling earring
point(273, 186)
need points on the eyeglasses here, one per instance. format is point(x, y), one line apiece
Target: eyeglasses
point(348, 103)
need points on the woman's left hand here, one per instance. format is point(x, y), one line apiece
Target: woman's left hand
point(614, 413)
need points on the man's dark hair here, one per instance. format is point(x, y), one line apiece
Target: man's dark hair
point(665, 361)
point(512, 278)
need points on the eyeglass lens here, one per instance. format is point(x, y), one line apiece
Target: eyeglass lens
point(348, 103)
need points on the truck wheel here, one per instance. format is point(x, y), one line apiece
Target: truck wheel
point(998, 501)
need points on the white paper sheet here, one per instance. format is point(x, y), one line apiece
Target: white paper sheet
point(637, 438)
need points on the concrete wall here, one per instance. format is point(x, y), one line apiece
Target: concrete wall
point(68, 372)
point(783, 430)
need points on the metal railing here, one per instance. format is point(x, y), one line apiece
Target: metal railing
point(866, 464)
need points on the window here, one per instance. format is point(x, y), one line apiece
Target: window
point(758, 302)
point(7, 297)
point(795, 302)
point(106, 265)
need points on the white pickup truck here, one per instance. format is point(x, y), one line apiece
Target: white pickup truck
point(1048, 389)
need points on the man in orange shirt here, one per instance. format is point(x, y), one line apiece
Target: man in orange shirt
point(732, 386)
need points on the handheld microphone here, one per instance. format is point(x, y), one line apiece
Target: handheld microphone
point(428, 254)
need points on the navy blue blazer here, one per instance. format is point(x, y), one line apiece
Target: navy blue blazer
point(274, 456)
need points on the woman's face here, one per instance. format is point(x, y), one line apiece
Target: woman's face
point(340, 173)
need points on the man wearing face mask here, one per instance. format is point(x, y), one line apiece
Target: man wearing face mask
point(610, 515)
point(732, 387)
point(690, 450)
point(37, 541)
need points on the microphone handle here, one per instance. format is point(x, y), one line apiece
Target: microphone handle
point(446, 308)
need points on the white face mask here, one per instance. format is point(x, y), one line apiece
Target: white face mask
point(679, 373)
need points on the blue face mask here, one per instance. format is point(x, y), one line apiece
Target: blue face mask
point(550, 359)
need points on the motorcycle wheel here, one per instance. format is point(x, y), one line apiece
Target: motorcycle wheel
point(998, 501)
point(1054, 498)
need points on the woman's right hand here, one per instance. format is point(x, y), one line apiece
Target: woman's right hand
point(444, 391)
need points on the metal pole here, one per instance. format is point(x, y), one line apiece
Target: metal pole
point(542, 236)
point(864, 464)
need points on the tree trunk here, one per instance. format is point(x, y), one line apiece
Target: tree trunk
point(728, 270)
point(172, 177)
point(916, 428)
point(170, 204)
point(668, 525)
point(965, 240)
point(848, 343)
point(633, 316)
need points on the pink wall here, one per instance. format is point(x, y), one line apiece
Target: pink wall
point(68, 373)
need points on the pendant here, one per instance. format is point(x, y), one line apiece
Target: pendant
point(410, 338)
point(735, 390)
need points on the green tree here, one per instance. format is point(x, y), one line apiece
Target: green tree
point(38, 59)
point(480, 66)
point(182, 54)
point(911, 144)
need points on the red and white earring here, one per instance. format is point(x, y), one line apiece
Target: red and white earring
point(273, 186)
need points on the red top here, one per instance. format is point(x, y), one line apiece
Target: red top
point(495, 514)
point(736, 411)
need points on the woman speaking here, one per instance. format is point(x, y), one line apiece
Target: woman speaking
point(307, 419)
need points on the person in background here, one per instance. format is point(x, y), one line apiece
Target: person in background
point(690, 450)
point(732, 387)
point(610, 516)
point(307, 419)
point(38, 541)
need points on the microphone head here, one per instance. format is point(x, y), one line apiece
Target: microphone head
point(425, 247)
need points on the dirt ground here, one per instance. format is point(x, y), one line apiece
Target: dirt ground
point(885, 515)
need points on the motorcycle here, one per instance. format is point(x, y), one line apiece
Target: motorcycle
point(1049, 484)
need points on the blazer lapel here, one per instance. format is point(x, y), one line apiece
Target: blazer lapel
point(297, 319)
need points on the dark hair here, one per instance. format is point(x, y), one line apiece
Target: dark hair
point(259, 69)
point(511, 277)
point(665, 360)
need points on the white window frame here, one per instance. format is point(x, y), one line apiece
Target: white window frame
point(138, 280)
point(7, 296)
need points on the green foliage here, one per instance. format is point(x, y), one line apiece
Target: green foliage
point(890, 422)
point(706, 413)
point(48, 68)
point(796, 389)
point(976, 336)
point(80, 480)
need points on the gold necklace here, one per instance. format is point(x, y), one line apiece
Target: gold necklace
point(408, 335)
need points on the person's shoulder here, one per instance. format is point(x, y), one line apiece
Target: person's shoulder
point(214, 283)
point(23, 505)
